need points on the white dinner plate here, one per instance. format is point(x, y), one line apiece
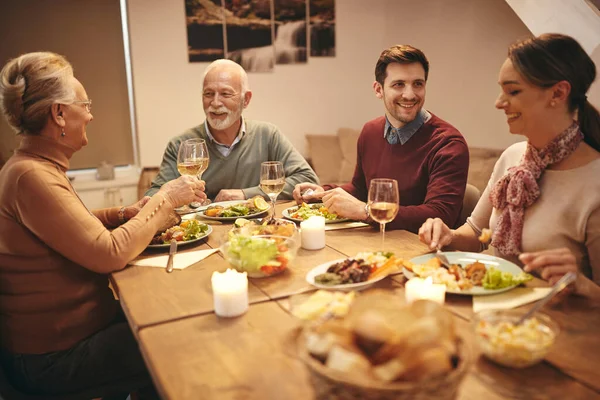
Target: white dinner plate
point(321, 269)
point(225, 204)
point(182, 243)
point(287, 213)
point(464, 259)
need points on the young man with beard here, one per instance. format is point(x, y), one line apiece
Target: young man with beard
point(426, 155)
point(236, 146)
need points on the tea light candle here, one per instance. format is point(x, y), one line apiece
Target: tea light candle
point(312, 233)
point(417, 288)
point(230, 293)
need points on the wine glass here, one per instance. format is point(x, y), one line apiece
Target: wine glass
point(192, 157)
point(272, 180)
point(192, 160)
point(383, 202)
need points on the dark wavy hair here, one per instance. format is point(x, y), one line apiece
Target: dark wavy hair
point(400, 53)
point(550, 58)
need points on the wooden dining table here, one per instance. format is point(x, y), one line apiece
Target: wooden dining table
point(192, 353)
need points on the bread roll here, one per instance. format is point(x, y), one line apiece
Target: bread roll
point(348, 362)
point(372, 331)
point(432, 362)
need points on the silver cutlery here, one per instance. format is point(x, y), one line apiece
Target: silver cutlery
point(562, 283)
point(443, 259)
point(172, 251)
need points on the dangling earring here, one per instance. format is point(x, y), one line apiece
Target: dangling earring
point(552, 103)
point(63, 134)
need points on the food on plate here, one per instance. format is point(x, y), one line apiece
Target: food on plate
point(305, 211)
point(185, 231)
point(486, 236)
point(364, 266)
point(463, 277)
point(324, 304)
point(496, 279)
point(382, 340)
point(259, 256)
point(272, 226)
point(249, 207)
point(514, 345)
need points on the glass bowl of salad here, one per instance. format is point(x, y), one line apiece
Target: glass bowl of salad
point(511, 345)
point(261, 255)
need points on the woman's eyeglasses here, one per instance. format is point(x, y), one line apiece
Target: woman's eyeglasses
point(87, 103)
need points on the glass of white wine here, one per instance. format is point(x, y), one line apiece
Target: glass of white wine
point(193, 159)
point(272, 180)
point(384, 202)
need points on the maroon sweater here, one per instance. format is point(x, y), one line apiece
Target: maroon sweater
point(431, 170)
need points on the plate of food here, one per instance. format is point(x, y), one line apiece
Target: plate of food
point(470, 273)
point(234, 209)
point(355, 273)
point(305, 211)
point(186, 232)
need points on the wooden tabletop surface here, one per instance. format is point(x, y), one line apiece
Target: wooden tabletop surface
point(193, 354)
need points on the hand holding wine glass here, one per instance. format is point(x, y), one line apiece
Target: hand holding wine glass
point(192, 160)
point(272, 180)
point(384, 202)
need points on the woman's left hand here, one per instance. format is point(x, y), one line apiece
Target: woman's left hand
point(132, 210)
point(552, 265)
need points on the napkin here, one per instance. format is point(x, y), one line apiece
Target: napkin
point(180, 260)
point(511, 299)
point(344, 225)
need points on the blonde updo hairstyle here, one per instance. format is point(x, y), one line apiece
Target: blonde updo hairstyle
point(30, 85)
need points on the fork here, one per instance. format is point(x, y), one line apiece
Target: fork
point(443, 259)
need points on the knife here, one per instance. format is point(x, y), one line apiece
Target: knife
point(172, 251)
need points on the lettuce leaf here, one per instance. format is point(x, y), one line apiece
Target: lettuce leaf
point(496, 279)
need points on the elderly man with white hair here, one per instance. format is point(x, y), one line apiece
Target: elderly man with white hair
point(236, 146)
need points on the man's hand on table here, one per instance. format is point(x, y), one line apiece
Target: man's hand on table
point(230, 194)
point(342, 203)
point(302, 196)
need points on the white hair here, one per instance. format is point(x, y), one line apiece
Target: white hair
point(29, 85)
point(232, 65)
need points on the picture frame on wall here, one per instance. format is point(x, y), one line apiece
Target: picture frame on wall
point(204, 23)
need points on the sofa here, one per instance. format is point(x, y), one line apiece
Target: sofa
point(333, 158)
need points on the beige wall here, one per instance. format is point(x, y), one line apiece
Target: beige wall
point(465, 40)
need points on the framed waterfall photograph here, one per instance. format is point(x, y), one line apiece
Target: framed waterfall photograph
point(290, 23)
point(248, 25)
point(322, 28)
point(204, 22)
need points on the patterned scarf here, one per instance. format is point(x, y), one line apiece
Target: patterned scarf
point(519, 189)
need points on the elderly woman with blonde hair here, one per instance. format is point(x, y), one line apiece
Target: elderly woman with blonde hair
point(61, 330)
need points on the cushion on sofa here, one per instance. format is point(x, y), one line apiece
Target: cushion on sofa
point(481, 166)
point(325, 156)
point(347, 138)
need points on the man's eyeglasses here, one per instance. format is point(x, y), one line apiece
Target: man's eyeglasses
point(87, 103)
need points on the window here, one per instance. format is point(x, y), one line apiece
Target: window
point(90, 34)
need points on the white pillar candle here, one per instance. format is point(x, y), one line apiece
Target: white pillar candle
point(417, 288)
point(230, 293)
point(312, 233)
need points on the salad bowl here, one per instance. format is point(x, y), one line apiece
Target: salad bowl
point(259, 256)
point(504, 341)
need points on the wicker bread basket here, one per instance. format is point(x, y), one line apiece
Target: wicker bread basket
point(332, 385)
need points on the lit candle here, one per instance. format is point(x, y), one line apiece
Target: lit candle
point(312, 233)
point(230, 293)
point(417, 288)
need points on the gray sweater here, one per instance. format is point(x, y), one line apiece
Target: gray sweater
point(241, 168)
